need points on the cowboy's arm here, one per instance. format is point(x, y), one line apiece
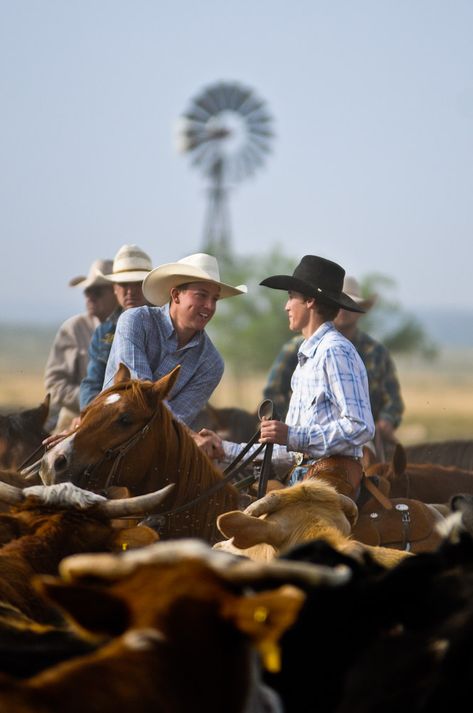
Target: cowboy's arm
point(61, 376)
point(91, 384)
point(190, 397)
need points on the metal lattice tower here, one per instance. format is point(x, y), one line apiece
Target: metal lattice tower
point(227, 130)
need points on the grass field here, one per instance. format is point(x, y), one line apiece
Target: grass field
point(438, 395)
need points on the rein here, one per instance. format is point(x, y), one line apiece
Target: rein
point(265, 410)
point(231, 471)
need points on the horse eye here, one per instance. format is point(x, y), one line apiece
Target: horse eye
point(125, 419)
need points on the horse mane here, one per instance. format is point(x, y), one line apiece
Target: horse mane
point(193, 472)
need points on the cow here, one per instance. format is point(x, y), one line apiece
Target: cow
point(182, 633)
point(309, 510)
point(58, 521)
point(45, 524)
point(389, 638)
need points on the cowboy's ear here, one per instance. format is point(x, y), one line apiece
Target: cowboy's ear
point(122, 374)
point(163, 386)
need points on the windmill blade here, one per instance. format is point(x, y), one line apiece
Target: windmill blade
point(219, 96)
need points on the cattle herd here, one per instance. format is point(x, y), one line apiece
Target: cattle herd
point(290, 611)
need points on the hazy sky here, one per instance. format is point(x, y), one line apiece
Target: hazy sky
point(372, 163)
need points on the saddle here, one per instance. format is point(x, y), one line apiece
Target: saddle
point(399, 523)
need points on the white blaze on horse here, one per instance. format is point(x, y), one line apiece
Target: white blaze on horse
point(129, 437)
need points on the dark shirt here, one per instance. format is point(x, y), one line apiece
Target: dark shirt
point(99, 349)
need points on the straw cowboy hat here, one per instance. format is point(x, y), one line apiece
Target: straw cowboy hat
point(95, 278)
point(351, 288)
point(199, 267)
point(316, 277)
point(131, 264)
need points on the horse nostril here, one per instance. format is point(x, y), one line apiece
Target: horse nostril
point(60, 463)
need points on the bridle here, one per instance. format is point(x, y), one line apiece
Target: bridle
point(117, 453)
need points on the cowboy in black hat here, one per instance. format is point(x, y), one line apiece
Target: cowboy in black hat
point(329, 417)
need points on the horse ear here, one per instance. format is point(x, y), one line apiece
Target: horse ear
point(399, 460)
point(163, 386)
point(122, 374)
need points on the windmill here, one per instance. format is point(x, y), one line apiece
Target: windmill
point(227, 131)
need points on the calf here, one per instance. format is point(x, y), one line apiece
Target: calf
point(306, 511)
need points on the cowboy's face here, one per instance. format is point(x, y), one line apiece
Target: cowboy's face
point(298, 311)
point(129, 294)
point(194, 306)
point(100, 301)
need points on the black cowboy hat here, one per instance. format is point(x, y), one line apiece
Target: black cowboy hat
point(316, 277)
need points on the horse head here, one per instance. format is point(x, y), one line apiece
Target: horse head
point(21, 434)
point(110, 444)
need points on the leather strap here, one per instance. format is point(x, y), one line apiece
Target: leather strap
point(376, 493)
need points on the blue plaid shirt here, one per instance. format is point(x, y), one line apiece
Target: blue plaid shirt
point(146, 342)
point(329, 412)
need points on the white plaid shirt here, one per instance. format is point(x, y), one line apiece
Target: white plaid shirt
point(329, 412)
point(146, 342)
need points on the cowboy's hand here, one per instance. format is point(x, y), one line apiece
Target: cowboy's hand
point(210, 443)
point(273, 432)
point(51, 441)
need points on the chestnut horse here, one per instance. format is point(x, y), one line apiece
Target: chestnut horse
point(21, 435)
point(128, 437)
point(427, 482)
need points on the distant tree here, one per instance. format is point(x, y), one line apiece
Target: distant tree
point(250, 330)
point(388, 322)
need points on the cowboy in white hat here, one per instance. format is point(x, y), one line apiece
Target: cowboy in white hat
point(130, 266)
point(152, 340)
point(66, 365)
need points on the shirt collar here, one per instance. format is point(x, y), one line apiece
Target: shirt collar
point(170, 330)
point(309, 346)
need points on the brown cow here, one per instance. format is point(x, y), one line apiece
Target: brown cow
point(177, 620)
point(59, 521)
point(306, 511)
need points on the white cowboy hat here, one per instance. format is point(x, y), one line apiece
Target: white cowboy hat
point(351, 288)
point(194, 268)
point(95, 278)
point(131, 264)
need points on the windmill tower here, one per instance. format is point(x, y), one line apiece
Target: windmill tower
point(227, 131)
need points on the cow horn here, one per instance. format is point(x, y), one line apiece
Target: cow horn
point(139, 505)
point(11, 494)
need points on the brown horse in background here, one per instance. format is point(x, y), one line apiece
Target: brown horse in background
point(457, 453)
point(129, 437)
point(427, 482)
point(21, 434)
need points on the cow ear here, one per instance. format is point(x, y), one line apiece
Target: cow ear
point(92, 609)
point(248, 531)
point(122, 374)
point(163, 386)
point(43, 411)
